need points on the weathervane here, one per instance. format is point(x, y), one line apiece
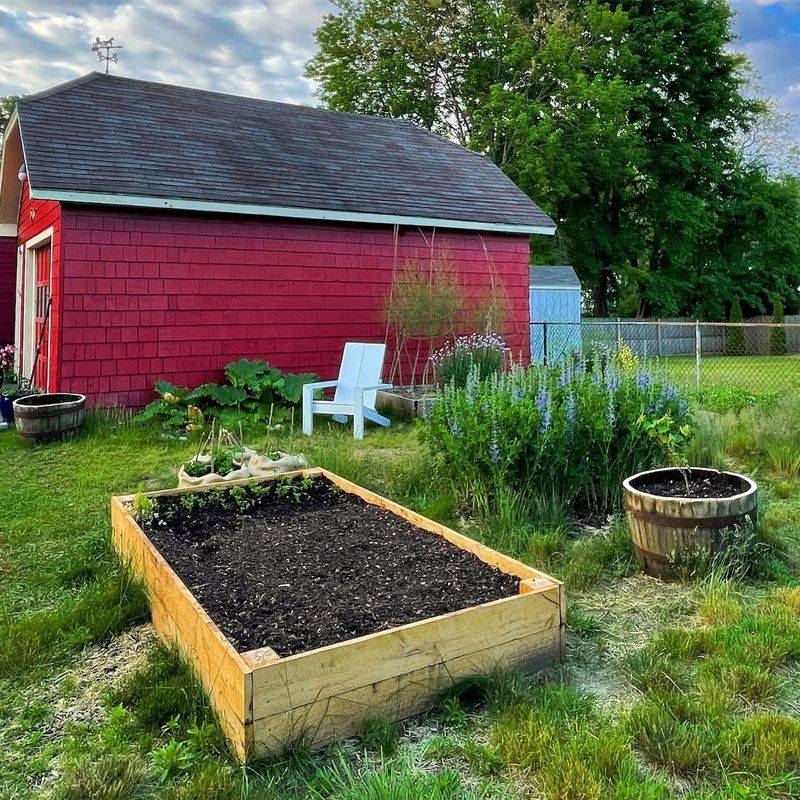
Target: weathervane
point(107, 45)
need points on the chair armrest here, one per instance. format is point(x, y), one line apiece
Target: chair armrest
point(320, 385)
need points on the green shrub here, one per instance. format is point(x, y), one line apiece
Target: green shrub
point(571, 432)
point(735, 344)
point(486, 353)
point(254, 390)
point(777, 337)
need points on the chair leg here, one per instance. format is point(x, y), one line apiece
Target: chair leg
point(308, 412)
point(358, 422)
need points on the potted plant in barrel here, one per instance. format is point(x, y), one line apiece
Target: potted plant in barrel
point(679, 513)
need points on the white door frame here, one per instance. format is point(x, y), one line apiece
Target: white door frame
point(25, 333)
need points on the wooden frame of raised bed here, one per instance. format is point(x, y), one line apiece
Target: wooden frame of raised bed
point(266, 703)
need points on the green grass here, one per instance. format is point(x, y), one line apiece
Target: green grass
point(698, 698)
point(756, 374)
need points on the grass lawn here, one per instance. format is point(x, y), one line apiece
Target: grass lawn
point(756, 374)
point(670, 690)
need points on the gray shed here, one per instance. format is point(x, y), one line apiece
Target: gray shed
point(555, 303)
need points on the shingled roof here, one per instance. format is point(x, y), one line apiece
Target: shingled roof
point(112, 140)
point(553, 277)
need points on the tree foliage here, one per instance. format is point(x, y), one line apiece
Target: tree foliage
point(632, 122)
point(777, 338)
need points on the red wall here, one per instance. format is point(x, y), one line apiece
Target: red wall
point(8, 279)
point(152, 295)
point(36, 216)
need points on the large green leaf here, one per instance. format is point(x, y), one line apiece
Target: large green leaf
point(227, 395)
point(292, 389)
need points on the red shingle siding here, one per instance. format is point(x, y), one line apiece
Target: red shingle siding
point(8, 280)
point(35, 217)
point(178, 296)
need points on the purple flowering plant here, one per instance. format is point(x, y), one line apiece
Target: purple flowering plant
point(452, 362)
point(572, 431)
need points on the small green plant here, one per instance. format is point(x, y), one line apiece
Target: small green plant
point(172, 759)
point(453, 713)
point(380, 735)
point(143, 506)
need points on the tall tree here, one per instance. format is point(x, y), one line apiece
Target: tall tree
point(6, 109)
point(629, 121)
point(691, 110)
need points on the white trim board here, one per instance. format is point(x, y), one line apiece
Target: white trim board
point(140, 201)
point(8, 229)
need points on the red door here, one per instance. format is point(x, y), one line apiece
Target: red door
point(42, 339)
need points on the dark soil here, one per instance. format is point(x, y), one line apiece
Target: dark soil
point(702, 484)
point(299, 564)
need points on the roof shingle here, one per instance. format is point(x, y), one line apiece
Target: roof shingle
point(119, 136)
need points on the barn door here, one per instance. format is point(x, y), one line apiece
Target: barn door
point(42, 318)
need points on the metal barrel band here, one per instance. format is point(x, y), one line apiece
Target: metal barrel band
point(668, 521)
point(648, 556)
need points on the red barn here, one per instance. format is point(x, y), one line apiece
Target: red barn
point(151, 231)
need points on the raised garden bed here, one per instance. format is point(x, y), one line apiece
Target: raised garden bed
point(307, 604)
point(408, 401)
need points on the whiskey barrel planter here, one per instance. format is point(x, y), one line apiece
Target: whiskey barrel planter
point(663, 528)
point(42, 417)
point(266, 702)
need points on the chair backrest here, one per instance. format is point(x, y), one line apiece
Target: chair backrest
point(361, 366)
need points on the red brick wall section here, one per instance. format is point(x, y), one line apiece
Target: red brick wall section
point(151, 295)
point(35, 217)
point(8, 279)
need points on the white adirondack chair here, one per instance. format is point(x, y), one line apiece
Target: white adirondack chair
point(356, 389)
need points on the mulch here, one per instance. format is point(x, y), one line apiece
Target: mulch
point(702, 484)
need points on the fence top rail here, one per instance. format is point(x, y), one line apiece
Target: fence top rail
point(679, 323)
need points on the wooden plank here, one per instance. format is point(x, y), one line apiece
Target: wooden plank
point(177, 616)
point(398, 697)
point(318, 674)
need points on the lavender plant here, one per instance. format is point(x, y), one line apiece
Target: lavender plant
point(571, 431)
point(485, 352)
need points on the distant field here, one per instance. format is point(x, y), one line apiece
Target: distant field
point(754, 373)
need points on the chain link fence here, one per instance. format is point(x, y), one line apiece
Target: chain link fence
point(757, 356)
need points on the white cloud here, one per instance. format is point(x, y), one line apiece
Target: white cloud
point(250, 47)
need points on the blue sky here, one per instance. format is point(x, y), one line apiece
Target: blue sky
point(258, 47)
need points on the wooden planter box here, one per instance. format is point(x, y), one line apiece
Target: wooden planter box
point(266, 703)
point(408, 407)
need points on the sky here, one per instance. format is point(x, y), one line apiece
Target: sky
point(258, 47)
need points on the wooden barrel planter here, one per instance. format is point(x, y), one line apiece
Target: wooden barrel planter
point(666, 523)
point(42, 417)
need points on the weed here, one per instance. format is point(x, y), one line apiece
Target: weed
point(380, 735)
point(453, 713)
point(112, 776)
point(172, 759)
point(212, 782)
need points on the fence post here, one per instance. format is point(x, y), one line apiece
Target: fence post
point(544, 343)
point(658, 335)
point(619, 331)
point(697, 355)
